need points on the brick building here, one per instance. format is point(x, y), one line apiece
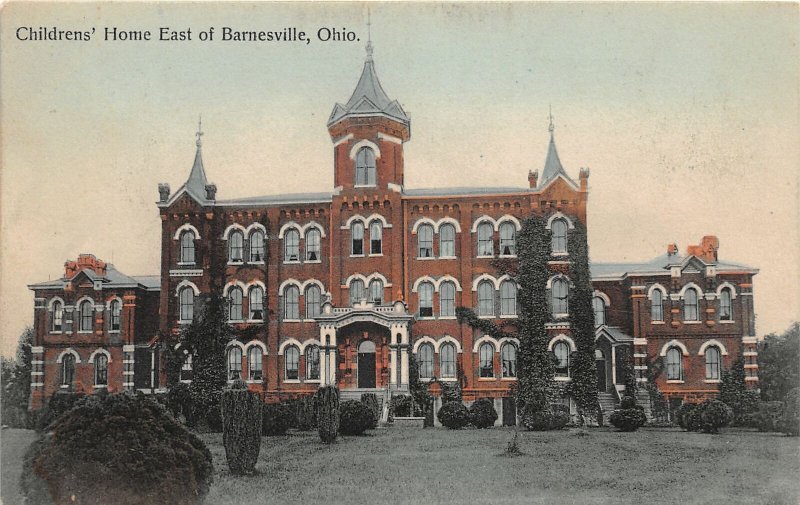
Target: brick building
point(345, 286)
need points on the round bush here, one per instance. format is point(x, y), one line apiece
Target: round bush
point(534, 419)
point(120, 449)
point(401, 406)
point(714, 415)
point(789, 422)
point(682, 415)
point(354, 417)
point(453, 415)
point(627, 402)
point(276, 419)
point(60, 403)
point(629, 419)
point(482, 413)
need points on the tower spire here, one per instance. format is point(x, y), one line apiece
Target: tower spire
point(199, 133)
point(550, 128)
point(369, 35)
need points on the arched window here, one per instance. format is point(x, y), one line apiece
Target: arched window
point(425, 361)
point(257, 246)
point(508, 356)
point(674, 364)
point(712, 363)
point(312, 362)
point(559, 296)
point(485, 299)
point(291, 246)
point(425, 241)
point(657, 306)
point(234, 363)
point(186, 297)
point(312, 245)
point(558, 242)
point(313, 301)
point(255, 300)
point(291, 303)
point(58, 316)
point(356, 291)
point(235, 247)
point(376, 238)
point(508, 239)
point(101, 370)
point(425, 299)
point(447, 361)
point(187, 247)
point(235, 304)
point(357, 233)
point(487, 360)
point(447, 299)
point(255, 368)
point(447, 241)
point(508, 299)
point(599, 307)
point(87, 318)
point(485, 244)
point(116, 315)
point(291, 358)
point(67, 370)
point(561, 351)
point(725, 307)
point(690, 312)
point(376, 291)
point(365, 167)
point(186, 368)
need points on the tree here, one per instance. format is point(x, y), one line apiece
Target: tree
point(779, 363)
point(583, 387)
point(16, 380)
point(734, 393)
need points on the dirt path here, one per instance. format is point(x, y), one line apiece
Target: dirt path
point(13, 444)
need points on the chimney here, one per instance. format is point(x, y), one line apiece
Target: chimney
point(84, 262)
point(707, 250)
point(211, 191)
point(163, 192)
point(533, 177)
point(584, 179)
point(672, 249)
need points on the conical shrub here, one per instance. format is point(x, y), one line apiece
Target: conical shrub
point(371, 401)
point(328, 413)
point(241, 427)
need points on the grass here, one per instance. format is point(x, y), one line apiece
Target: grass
point(437, 466)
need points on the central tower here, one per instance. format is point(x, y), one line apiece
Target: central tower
point(368, 133)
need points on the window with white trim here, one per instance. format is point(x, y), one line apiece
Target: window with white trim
point(376, 238)
point(313, 301)
point(425, 292)
point(561, 351)
point(447, 299)
point(257, 248)
point(312, 362)
point(485, 298)
point(365, 167)
point(101, 370)
point(486, 355)
point(674, 364)
point(58, 316)
point(313, 245)
point(558, 241)
point(291, 303)
point(376, 291)
point(186, 298)
point(186, 373)
point(559, 296)
point(291, 359)
point(255, 302)
point(447, 240)
point(255, 369)
point(187, 247)
point(67, 370)
point(291, 246)
point(425, 241)
point(447, 361)
point(599, 307)
point(725, 307)
point(235, 303)
point(235, 247)
point(87, 315)
point(713, 359)
point(485, 243)
point(357, 234)
point(690, 308)
point(657, 306)
point(116, 315)
point(356, 291)
point(234, 363)
point(508, 239)
point(508, 358)
point(425, 361)
point(508, 298)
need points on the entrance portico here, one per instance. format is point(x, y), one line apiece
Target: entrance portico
point(393, 318)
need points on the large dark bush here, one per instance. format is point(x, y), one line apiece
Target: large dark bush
point(453, 415)
point(123, 449)
point(767, 418)
point(714, 415)
point(682, 415)
point(354, 417)
point(276, 419)
point(179, 402)
point(60, 403)
point(241, 427)
point(401, 406)
point(328, 413)
point(482, 413)
point(790, 420)
point(630, 419)
point(534, 419)
point(371, 401)
point(306, 413)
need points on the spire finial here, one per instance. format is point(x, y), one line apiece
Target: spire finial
point(199, 131)
point(369, 36)
point(551, 127)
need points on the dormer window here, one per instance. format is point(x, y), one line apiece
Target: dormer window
point(365, 167)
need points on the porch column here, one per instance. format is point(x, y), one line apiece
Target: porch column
point(403, 330)
point(614, 365)
point(332, 357)
point(327, 359)
point(392, 357)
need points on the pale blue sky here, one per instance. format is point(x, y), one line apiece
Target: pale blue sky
point(686, 114)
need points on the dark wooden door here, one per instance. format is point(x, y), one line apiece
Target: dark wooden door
point(366, 370)
point(601, 375)
point(509, 412)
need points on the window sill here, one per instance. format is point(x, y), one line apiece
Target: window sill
point(291, 381)
point(255, 381)
point(292, 262)
point(113, 331)
point(185, 381)
point(484, 257)
point(237, 262)
point(425, 258)
point(508, 379)
point(64, 386)
point(184, 321)
point(313, 261)
point(313, 381)
point(85, 332)
point(356, 255)
point(561, 316)
point(56, 333)
point(448, 318)
point(508, 316)
point(186, 263)
point(255, 262)
point(292, 320)
point(447, 379)
point(235, 321)
point(101, 386)
point(674, 381)
point(254, 321)
point(727, 321)
point(508, 255)
point(560, 254)
point(657, 322)
point(562, 379)
point(375, 255)
point(365, 186)
point(491, 316)
point(692, 322)
point(426, 318)
point(713, 381)
point(487, 379)
point(448, 257)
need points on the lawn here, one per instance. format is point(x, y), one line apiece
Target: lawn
point(438, 466)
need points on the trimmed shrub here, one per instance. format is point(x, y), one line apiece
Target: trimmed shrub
point(630, 419)
point(328, 413)
point(138, 455)
point(60, 403)
point(767, 418)
point(401, 406)
point(451, 392)
point(627, 402)
point(544, 420)
point(714, 415)
point(682, 415)
point(354, 418)
point(306, 413)
point(179, 402)
point(482, 413)
point(371, 401)
point(453, 415)
point(241, 427)
point(790, 420)
point(276, 418)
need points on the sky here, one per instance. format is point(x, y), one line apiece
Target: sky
point(687, 115)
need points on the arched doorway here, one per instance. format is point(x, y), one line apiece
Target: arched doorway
point(366, 364)
point(600, 364)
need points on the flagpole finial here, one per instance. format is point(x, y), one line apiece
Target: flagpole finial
point(199, 131)
point(551, 127)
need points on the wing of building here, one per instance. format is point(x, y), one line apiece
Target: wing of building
point(344, 287)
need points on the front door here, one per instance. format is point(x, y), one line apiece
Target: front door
point(366, 364)
point(509, 411)
point(600, 362)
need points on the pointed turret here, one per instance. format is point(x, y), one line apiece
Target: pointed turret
point(197, 181)
point(552, 165)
